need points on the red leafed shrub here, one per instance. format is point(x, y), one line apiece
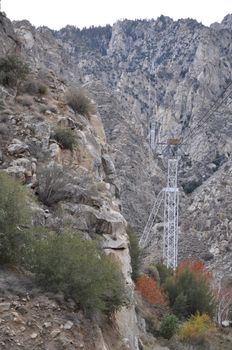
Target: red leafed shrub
point(197, 267)
point(148, 289)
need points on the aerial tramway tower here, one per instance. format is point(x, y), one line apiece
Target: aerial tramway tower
point(168, 198)
point(171, 210)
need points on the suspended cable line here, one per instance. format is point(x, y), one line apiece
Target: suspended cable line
point(210, 112)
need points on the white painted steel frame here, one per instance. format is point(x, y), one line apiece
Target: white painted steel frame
point(171, 213)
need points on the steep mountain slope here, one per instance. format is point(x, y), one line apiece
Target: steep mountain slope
point(172, 71)
point(84, 180)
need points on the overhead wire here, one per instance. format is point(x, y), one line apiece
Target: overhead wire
point(198, 129)
point(207, 160)
point(213, 108)
point(216, 110)
point(208, 114)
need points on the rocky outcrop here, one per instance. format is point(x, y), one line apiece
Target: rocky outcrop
point(208, 221)
point(82, 180)
point(8, 38)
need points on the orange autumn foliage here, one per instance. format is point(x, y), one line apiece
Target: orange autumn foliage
point(197, 267)
point(149, 290)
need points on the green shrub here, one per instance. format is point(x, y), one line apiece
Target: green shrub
point(65, 137)
point(135, 253)
point(78, 269)
point(152, 271)
point(168, 326)
point(12, 70)
point(14, 213)
point(189, 294)
point(78, 100)
point(164, 272)
point(180, 305)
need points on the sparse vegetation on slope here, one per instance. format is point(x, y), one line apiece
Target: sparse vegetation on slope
point(12, 70)
point(65, 138)
point(134, 252)
point(61, 263)
point(79, 269)
point(14, 214)
point(78, 100)
point(34, 87)
point(52, 183)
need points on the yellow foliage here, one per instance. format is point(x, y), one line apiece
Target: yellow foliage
point(197, 329)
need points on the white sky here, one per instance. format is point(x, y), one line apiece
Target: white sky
point(57, 13)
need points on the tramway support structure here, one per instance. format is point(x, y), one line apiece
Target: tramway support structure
point(147, 232)
point(168, 198)
point(171, 213)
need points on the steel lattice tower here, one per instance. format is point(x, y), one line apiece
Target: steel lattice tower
point(171, 212)
point(170, 196)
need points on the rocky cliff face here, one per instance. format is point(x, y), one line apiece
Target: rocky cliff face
point(86, 183)
point(7, 36)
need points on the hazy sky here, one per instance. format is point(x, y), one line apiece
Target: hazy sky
point(57, 13)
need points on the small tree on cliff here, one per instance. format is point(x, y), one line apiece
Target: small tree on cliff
point(134, 252)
